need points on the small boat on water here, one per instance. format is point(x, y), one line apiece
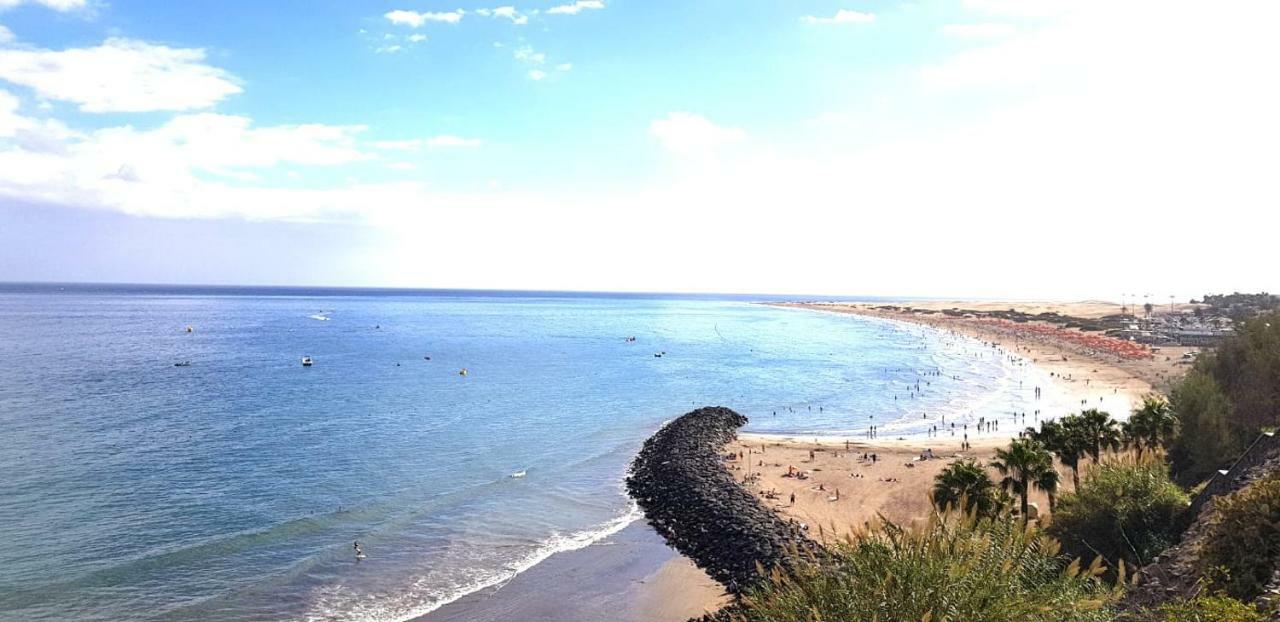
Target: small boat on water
point(182, 364)
point(462, 372)
point(306, 361)
point(519, 474)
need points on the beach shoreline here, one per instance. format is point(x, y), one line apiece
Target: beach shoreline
point(630, 576)
point(844, 491)
point(1063, 357)
point(852, 481)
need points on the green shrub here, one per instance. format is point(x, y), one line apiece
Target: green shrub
point(958, 569)
point(1208, 609)
point(1242, 544)
point(1122, 512)
point(1206, 441)
point(1227, 399)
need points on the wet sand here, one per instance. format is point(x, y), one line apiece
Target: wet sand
point(631, 576)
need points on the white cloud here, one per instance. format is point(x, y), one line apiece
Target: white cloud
point(507, 12)
point(388, 49)
point(6, 35)
point(415, 19)
point(843, 16)
point(576, 7)
point(210, 141)
point(535, 60)
point(121, 75)
point(57, 5)
point(163, 171)
point(1107, 145)
point(417, 38)
point(10, 120)
point(529, 55)
point(989, 30)
point(690, 134)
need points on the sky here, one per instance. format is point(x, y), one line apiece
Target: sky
point(965, 148)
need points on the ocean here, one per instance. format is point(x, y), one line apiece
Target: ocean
point(233, 488)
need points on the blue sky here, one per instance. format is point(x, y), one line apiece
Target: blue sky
point(962, 147)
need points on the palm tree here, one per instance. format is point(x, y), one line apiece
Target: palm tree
point(965, 480)
point(1100, 432)
point(1048, 482)
point(1023, 465)
point(1048, 433)
point(1066, 439)
point(1150, 426)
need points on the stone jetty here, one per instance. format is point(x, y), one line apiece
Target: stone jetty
point(689, 496)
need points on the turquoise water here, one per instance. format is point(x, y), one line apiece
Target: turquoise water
point(232, 489)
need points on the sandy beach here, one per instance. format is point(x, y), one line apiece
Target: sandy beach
point(631, 576)
point(1051, 350)
point(844, 489)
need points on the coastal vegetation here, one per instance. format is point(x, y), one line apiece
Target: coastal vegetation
point(1150, 427)
point(1215, 608)
point(1100, 433)
point(981, 557)
point(955, 567)
point(1243, 543)
point(965, 486)
point(1122, 513)
point(1240, 306)
point(1024, 464)
point(1227, 399)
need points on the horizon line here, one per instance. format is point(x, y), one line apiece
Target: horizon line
point(480, 290)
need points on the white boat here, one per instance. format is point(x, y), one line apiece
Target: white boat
point(306, 361)
point(519, 474)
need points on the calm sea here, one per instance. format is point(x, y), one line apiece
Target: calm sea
point(233, 488)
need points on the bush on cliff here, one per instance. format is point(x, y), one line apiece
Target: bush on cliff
point(1228, 399)
point(1208, 609)
point(1122, 512)
point(1242, 546)
point(952, 568)
point(1206, 441)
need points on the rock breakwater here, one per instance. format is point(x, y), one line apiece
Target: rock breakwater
point(688, 495)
